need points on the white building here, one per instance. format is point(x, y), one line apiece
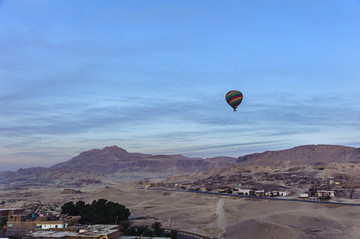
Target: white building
point(260, 193)
point(324, 193)
point(304, 195)
point(284, 193)
point(245, 192)
point(91, 231)
point(51, 224)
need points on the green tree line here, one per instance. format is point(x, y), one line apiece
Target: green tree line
point(107, 212)
point(98, 212)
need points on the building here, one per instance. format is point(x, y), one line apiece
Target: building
point(324, 194)
point(283, 193)
point(20, 222)
point(51, 224)
point(202, 189)
point(84, 232)
point(245, 192)
point(304, 195)
point(12, 211)
point(17, 228)
point(260, 193)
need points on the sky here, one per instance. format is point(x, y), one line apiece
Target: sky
point(151, 77)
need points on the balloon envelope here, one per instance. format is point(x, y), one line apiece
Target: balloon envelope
point(234, 98)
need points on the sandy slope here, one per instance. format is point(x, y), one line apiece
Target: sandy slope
point(214, 216)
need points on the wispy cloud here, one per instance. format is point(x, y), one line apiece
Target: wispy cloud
point(153, 78)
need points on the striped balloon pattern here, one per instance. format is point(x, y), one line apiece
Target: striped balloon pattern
point(234, 98)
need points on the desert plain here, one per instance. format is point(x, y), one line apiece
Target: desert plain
point(119, 176)
point(208, 215)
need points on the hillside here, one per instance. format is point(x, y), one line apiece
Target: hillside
point(116, 163)
point(303, 155)
point(298, 168)
point(113, 159)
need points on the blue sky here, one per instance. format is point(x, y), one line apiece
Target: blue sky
point(151, 77)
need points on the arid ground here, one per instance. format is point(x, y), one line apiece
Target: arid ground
point(208, 215)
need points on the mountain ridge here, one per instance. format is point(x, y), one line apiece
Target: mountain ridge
point(114, 161)
point(304, 154)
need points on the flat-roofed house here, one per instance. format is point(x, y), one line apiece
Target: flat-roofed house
point(324, 193)
point(245, 192)
point(284, 193)
point(260, 193)
point(51, 224)
point(304, 195)
point(85, 232)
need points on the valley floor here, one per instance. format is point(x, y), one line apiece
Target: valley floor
point(214, 216)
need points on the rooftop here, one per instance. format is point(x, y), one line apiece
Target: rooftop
point(49, 222)
point(84, 231)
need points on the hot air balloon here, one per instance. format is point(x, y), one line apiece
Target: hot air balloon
point(234, 98)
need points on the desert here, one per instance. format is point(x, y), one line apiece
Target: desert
point(208, 215)
point(184, 119)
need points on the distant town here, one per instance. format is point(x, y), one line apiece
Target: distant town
point(282, 184)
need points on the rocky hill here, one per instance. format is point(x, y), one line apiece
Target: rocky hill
point(113, 159)
point(115, 162)
point(303, 155)
point(296, 170)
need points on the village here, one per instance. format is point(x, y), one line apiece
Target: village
point(25, 223)
point(48, 222)
point(283, 184)
point(312, 193)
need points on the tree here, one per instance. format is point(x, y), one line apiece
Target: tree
point(3, 221)
point(157, 229)
point(69, 208)
point(98, 212)
point(139, 231)
point(125, 226)
point(173, 233)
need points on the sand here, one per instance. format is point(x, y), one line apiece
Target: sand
point(212, 216)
